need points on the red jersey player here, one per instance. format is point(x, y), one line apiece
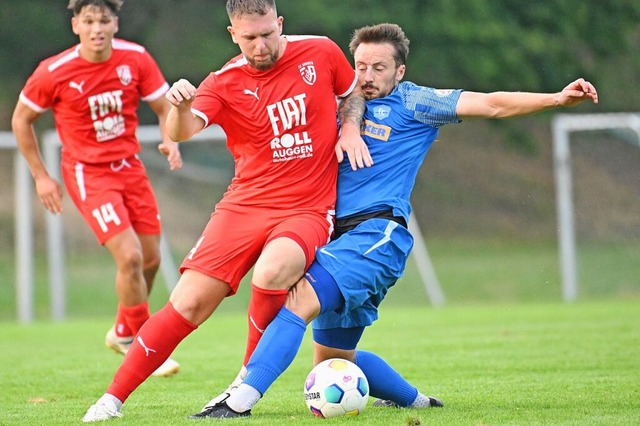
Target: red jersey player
point(94, 90)
point(277, 105)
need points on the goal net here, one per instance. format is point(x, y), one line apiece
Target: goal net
point(563, 126)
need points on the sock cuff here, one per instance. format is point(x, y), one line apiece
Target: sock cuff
point(140, 308)
point(268, 292)
point(170, 311)
point(288, 316)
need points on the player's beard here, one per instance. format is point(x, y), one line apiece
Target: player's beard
point(264, 64)
point(370, 91)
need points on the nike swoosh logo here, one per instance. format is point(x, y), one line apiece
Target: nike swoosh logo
point(325, 251)
point(256, 325)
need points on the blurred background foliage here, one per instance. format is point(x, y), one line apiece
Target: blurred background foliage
point(479, 45)
point(484, 198)
point(491, 178)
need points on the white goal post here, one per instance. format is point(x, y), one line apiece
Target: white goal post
point(146, 134)
point(562, 126)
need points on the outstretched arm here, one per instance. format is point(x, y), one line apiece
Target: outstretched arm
point(511, 104)
point(350, 111)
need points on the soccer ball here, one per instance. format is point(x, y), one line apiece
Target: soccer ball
point(336, 387)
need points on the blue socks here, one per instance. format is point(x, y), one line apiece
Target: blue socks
point(384, 381)
point(276, 350)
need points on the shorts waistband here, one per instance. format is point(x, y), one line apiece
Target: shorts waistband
point(348, 223)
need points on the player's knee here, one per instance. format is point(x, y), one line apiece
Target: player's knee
point(323, 353)
point(271, 277)
point(151, 263)
point(129, 260)
point(280, 265)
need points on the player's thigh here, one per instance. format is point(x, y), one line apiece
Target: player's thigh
point(367, 260)
point(280, 264)
point(99, 199)
point(125, 249)
point(290, 248)
point(228, 246)
point(140, 199)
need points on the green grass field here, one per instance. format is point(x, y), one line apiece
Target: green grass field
point(470, 273)
point(525, 364)
point(504, 350)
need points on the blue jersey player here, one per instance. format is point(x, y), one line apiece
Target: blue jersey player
point(350, 277)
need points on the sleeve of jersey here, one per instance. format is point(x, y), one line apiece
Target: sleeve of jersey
point(153, 85)
point(208, 104)
point(344, 75)
point(37, 92)
point(430, 106)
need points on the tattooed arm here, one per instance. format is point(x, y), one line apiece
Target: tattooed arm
point(350, 112)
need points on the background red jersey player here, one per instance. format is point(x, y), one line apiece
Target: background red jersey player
point(94, 89)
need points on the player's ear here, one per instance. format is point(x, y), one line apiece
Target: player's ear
point(400, 72)
point(74, 25)
point(115, 18)
point(280, 21)
point(233, 34)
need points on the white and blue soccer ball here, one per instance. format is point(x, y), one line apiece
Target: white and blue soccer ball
point(336, 387)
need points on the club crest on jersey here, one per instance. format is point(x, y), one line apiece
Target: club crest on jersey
point(308, 72)
point(124, 73)
point(381, 112)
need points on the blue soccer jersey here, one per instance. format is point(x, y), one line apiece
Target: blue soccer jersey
point(399, 130)
point(367, 260)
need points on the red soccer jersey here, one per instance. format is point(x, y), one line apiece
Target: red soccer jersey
point(95, 104)
point(281, 124)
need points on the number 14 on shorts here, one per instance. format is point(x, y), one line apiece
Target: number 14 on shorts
point(104, 215)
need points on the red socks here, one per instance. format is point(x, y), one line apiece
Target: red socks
point(129, 319)
point(155, 342)
point(263, 308)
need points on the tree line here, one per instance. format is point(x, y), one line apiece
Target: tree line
point(482, 45)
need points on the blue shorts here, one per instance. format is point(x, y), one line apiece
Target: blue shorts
point(365, 263)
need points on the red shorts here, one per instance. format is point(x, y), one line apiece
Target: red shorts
point(113, 196)
point(233, 239)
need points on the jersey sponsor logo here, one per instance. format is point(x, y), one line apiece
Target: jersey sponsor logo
point(252, 93)
point(284, 115)
point(308, 72)
point(106, 113)
point(77, 86)
point(124, 74)
point(381, 112)
point(376, 131)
